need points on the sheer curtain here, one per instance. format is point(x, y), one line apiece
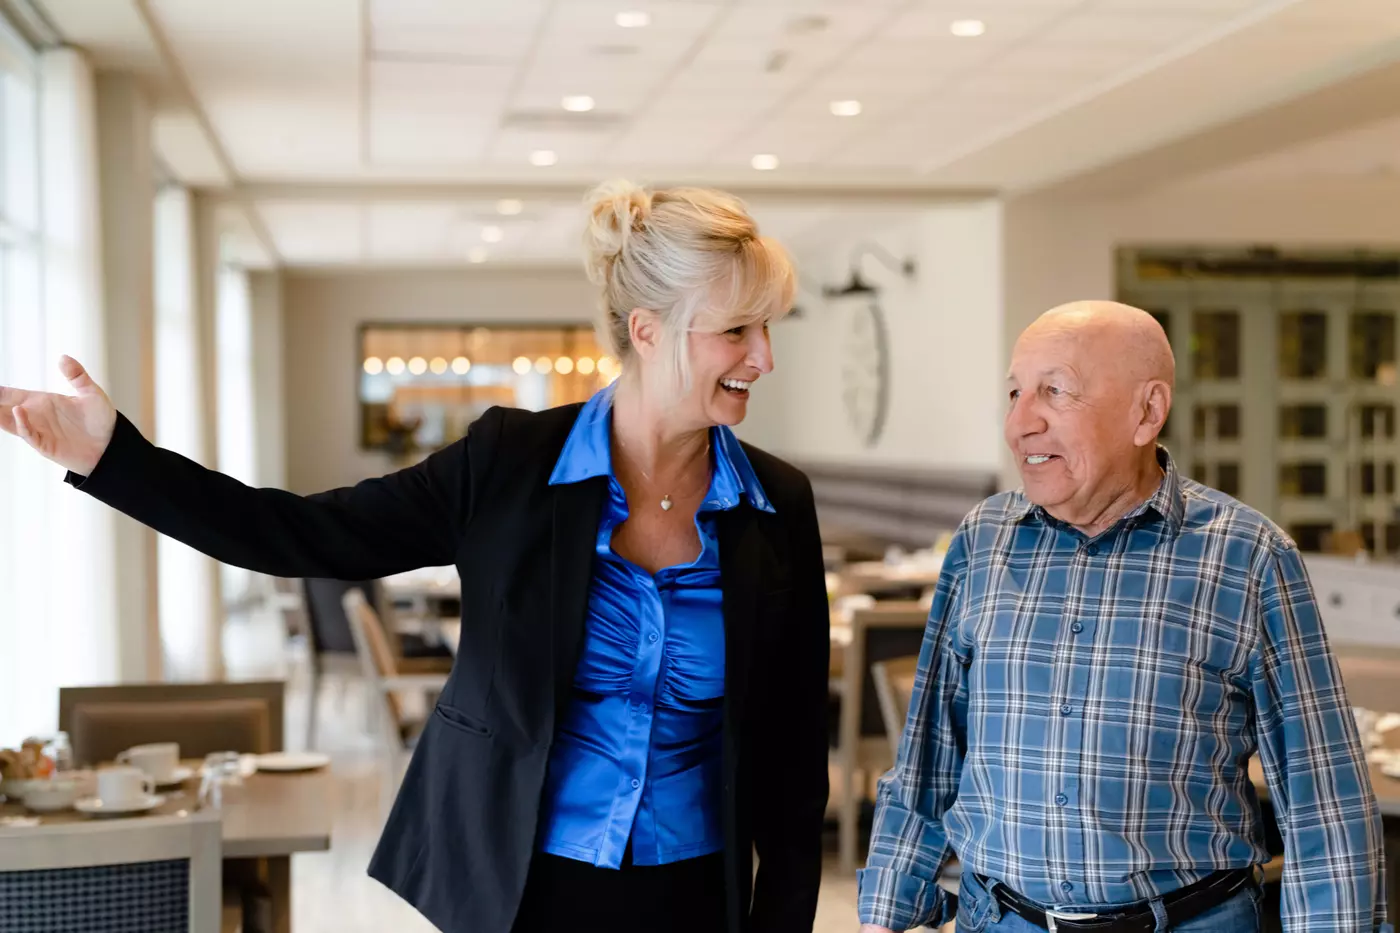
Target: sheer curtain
point(238, 455)
point(57, 612)
point(185, 575)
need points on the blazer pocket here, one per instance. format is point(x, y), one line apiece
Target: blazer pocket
point(461, 721)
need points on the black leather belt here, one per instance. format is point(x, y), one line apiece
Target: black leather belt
point(1181, 905)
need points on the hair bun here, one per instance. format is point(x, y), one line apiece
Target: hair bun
point(616, 210)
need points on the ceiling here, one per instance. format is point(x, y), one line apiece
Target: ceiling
point(385, 131)
point(1369, 151)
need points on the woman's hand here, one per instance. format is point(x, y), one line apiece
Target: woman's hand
point(71, 430)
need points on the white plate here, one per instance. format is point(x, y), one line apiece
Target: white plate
point(1391, 770)
point(94, 807)
point(179, 776)
point(293, 761)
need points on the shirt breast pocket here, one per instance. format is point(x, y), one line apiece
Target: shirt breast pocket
point(1183, 665)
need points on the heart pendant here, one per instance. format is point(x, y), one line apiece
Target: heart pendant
point(665, 503)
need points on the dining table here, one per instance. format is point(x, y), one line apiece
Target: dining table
point(268, 819)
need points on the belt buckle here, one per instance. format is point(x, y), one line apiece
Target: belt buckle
point(1053, 915)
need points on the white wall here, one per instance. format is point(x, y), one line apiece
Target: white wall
point(321, 316)
point(945, 339)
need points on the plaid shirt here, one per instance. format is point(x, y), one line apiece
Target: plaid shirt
point(1085, 710)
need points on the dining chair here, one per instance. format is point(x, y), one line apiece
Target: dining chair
point(202, 718)
point(894, 686)
point(119, 876)
point(332, 645)
point(880, 633)
point(398, 730)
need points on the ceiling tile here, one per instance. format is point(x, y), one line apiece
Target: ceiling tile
point(454, 13)
point(312, 233)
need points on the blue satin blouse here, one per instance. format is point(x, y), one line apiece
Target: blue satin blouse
point(637, 755)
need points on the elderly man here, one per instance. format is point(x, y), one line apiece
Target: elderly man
point(1106, 650)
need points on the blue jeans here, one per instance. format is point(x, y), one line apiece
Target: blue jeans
point(979, 912)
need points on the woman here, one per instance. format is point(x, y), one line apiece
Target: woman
point(638, 703)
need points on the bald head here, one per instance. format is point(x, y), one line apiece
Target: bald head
point(1126, 342)
point(1090, 386)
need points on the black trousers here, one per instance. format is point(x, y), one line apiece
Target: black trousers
point(562, 894)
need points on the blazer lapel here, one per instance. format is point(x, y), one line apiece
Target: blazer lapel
point(577, 508)
point(743, 552)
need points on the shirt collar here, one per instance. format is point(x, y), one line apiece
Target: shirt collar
point(1167, 501)
point(587, 453)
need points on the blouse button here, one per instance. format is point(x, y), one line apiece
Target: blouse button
point(653, 637)
point(636, 783)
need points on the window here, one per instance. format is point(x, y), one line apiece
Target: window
point(1303, 480)
point(1378, 421)
point(1377, 481)
point(1373, 346)
point(1303, 421)
point(1219, 422)
point(1215, 345)
point(1227, 478)
point(1310, 536)
point(1164, 320)
point(1302, 345)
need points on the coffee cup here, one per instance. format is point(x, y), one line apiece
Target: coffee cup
point(159, 760)
point(123, 786)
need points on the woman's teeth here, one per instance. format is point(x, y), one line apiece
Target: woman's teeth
point(736, 385)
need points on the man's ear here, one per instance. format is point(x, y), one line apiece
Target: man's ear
point(1155, 405)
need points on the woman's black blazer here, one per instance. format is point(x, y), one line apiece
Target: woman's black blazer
point(459, 840)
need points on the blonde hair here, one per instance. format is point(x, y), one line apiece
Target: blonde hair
point(678, 252)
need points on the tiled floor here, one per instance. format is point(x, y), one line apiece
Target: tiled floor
point(331, 892)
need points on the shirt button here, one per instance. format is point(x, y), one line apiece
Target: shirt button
point(636, 783)
point(1092, 550)
point(1066, 887)
point(1077, 627)
point(641, 707)
point(653, 637)
point(1061, 800)
point(1066, 709)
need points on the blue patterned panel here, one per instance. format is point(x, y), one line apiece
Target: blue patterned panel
point(146, 897)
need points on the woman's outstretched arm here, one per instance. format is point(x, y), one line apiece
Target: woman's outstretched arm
point(411, 518)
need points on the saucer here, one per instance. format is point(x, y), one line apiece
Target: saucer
point(179, 776)
point(293, 761)
point(94, 807)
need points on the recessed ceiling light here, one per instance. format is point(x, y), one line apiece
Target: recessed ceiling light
point(967, 28)
point(577, 103)
point(543, 158)
point(765, 162)
point(492, 234)
point(845, 108)
point(509, 207)
point(633, 19)
point(476, 255)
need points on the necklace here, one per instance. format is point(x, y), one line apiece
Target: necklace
point(666, 503)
